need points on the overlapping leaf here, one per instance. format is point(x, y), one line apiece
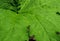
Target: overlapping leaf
point(39, 14)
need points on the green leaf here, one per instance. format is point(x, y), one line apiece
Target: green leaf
point(39, 16)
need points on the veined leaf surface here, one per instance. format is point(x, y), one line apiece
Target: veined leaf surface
point(40, 15)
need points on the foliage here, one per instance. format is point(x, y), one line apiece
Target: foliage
point(40, 15)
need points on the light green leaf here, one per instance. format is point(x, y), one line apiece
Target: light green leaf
point(40, 15)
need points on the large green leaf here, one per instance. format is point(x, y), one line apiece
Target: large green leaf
point(40, 15)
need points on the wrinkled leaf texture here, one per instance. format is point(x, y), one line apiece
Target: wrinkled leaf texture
point(39, 14)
